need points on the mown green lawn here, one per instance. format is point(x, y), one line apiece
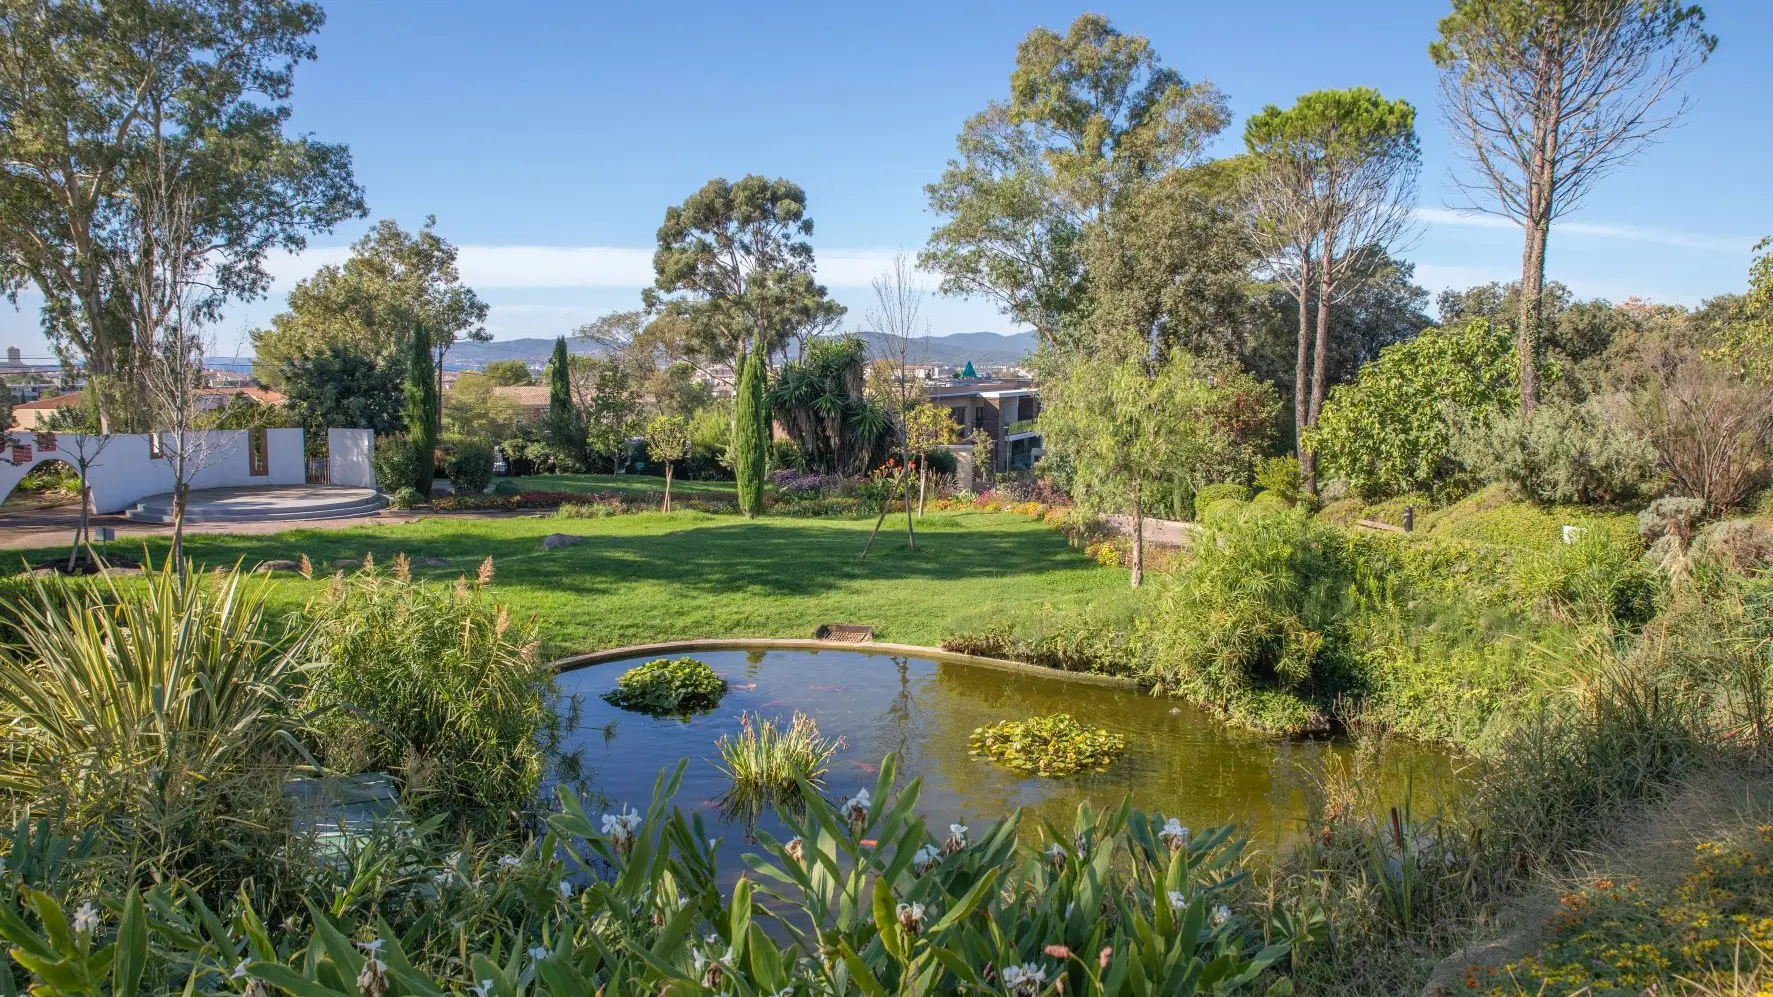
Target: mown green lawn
point(656, 576)
point(622, 484)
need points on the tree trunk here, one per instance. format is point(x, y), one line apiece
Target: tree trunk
point(1138, 573)
point(884, 509)
point(667, 486)
point(1307, 459)
point(80, 525)
point(923, 484)
point(181, 494)
point(910, 530)
point(1300, 387)
point(1526, 336)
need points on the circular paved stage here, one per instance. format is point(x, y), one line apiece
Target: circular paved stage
point(261, 505)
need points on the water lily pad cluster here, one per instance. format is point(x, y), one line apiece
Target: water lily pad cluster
point(668, 687)
point(1053, 745)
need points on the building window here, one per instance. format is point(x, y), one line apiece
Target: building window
point(960, 414)
point(979, 417)
point(258, 456)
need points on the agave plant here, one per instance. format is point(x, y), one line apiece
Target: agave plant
point(116, 693)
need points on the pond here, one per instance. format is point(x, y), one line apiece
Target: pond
point(1179, 760)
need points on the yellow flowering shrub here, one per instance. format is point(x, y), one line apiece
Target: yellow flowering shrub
point(1614, 939)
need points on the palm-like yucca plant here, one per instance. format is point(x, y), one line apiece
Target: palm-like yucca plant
point(116, 692)
point(822, 404)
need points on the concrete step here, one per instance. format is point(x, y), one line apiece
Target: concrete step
point(159, 510)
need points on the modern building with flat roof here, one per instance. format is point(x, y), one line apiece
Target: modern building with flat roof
point(1004, 410)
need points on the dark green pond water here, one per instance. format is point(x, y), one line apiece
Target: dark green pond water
point(1179, 761)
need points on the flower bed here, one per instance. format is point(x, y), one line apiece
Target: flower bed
point(1615, 939)
point(1053, 745)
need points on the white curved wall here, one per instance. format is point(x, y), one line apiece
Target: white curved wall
point(125, 471)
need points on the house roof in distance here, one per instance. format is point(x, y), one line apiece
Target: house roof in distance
point(264, 396)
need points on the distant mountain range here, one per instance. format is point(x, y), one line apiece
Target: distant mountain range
point(985, 349)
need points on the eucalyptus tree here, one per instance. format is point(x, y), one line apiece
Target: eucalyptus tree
point(734, 267)
point(1545, 97)
point(1092, 115)
point(98, 98)
point(1332, 182)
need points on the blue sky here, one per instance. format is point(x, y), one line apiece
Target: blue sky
point(548, 138)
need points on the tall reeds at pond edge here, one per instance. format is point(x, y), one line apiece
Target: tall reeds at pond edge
point(440, 686)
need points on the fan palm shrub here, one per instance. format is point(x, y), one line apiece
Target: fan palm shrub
point(154, 710)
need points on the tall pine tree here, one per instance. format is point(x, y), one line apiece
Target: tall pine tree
point(423, 407)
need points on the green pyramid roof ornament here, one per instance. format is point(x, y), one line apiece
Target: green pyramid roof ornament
point(969, 371)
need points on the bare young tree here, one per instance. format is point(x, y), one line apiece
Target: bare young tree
point(897, 319)
point(167, 258)
point(84, 455)
point(1334, 181)
point(1545, 97)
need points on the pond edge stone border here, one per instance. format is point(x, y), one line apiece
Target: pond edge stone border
point(575, 661)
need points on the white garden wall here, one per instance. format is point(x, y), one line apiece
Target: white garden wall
point(350, 453)
point(126, 469)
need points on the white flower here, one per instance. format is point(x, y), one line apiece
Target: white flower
point(566, 890)
point(539, 953)
point(239, 970)
point(620, 828)
point(1025, 980)
point(856, 808)
point(482, 989)
point(443, 878)
point(86, 919)
point(1174, 835)
point(925, 859)
point(1055, 854)
point(373, 948)
point(1221, 914)
point(508, 862)
point(787, 991)
point(911, 918)
point(957, 838)
point(1177, 900)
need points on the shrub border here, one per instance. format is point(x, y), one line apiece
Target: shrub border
point(573, 662)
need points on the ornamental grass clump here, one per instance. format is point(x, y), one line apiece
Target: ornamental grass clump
point(773, 758)
point(1053, 745)
point(439, 686)
point(668, 687)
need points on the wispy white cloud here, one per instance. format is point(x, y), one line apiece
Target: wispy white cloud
point(507, 267)
point(1598, 230)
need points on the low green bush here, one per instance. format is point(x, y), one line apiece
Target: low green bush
point(1054, 745)
point(1260, 607)
point(1210, 494)
point(1271, 500)
point(439, 686)
point(404, 498)
point(1561, 453)
point(469, 466)
point(668, 687)
point(1594, 579)
point(395, 465)
point(1279, 475)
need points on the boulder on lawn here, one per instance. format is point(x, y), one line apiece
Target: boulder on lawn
point(554, 541)
point(279, 566)
point(427, 561)
point(347, 562)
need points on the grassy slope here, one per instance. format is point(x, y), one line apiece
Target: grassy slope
point(622, 484)
point(653, 576)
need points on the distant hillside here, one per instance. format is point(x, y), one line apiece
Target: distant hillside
point(982, 348)
point(985, 349)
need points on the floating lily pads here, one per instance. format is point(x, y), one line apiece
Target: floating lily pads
point(1054, 745)
point(668, 687)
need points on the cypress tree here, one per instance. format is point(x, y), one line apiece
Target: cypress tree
point(560, 385)
point(751, 429)
point(564, 430)
point(423, 407)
